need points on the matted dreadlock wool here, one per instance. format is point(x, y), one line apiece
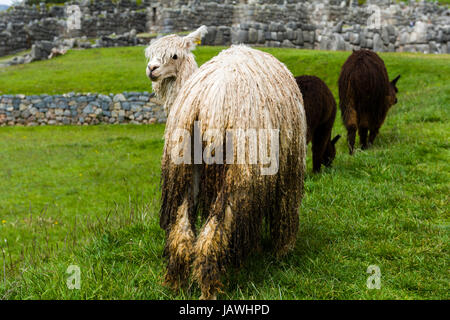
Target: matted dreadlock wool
point(241, 88)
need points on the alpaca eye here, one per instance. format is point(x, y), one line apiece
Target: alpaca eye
point(175, 57)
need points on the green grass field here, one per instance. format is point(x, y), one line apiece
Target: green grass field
point(89, 196)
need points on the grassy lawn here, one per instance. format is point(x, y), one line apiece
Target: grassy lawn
point(89, 196)
point(123, 69)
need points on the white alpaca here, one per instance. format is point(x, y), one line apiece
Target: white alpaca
point(241, 88)
point(171, 63)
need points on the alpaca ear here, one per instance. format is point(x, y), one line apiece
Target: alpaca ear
point(194, 38)
point(394, 82)
point(335, 139)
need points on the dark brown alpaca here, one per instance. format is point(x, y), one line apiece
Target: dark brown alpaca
point(365, 95)
point(320, 110)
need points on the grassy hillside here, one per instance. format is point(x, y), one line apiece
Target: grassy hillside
point(89, 196)
point(123, 69)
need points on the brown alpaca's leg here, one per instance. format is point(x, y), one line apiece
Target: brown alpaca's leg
point(363, 128)
point(350, 122)
point(179, 248)
point(373, 135)
point(351, 135)
point(318, 149)
point(363, 137)
point(210, 249)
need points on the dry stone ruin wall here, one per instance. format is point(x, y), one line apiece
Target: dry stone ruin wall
point(80, 109)
point(22, 26)
point(381, 25)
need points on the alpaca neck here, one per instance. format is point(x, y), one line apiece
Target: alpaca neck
point(169, 88)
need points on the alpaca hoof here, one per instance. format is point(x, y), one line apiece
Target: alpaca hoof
point(210, 297)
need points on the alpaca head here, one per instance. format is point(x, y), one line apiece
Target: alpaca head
point(330, 151)
point(171, 62)
point(393, 91)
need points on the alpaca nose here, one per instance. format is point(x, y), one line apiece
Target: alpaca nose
point(152, 68)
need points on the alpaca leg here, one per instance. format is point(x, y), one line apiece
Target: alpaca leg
point(373, 135)
point(363, 136)
point(363, 128)
point(350, 121)
point(211, 249)
point(284, 226)
point(179, 248)
point(351, 135)
point(318, 150)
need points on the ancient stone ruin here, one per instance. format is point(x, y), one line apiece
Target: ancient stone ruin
point(381, 25)
point(80, 109)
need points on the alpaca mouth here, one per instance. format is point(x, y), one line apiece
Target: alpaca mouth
point(153, 78)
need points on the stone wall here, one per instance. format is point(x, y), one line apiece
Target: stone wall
point(43, 50)
point(418, 38)
point(418, 27)
point(79, 109)
point(21, 26)
point(381, 25)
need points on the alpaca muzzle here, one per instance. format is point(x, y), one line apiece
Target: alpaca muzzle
point(151, 69)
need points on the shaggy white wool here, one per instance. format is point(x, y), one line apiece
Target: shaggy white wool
point(241, 88)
